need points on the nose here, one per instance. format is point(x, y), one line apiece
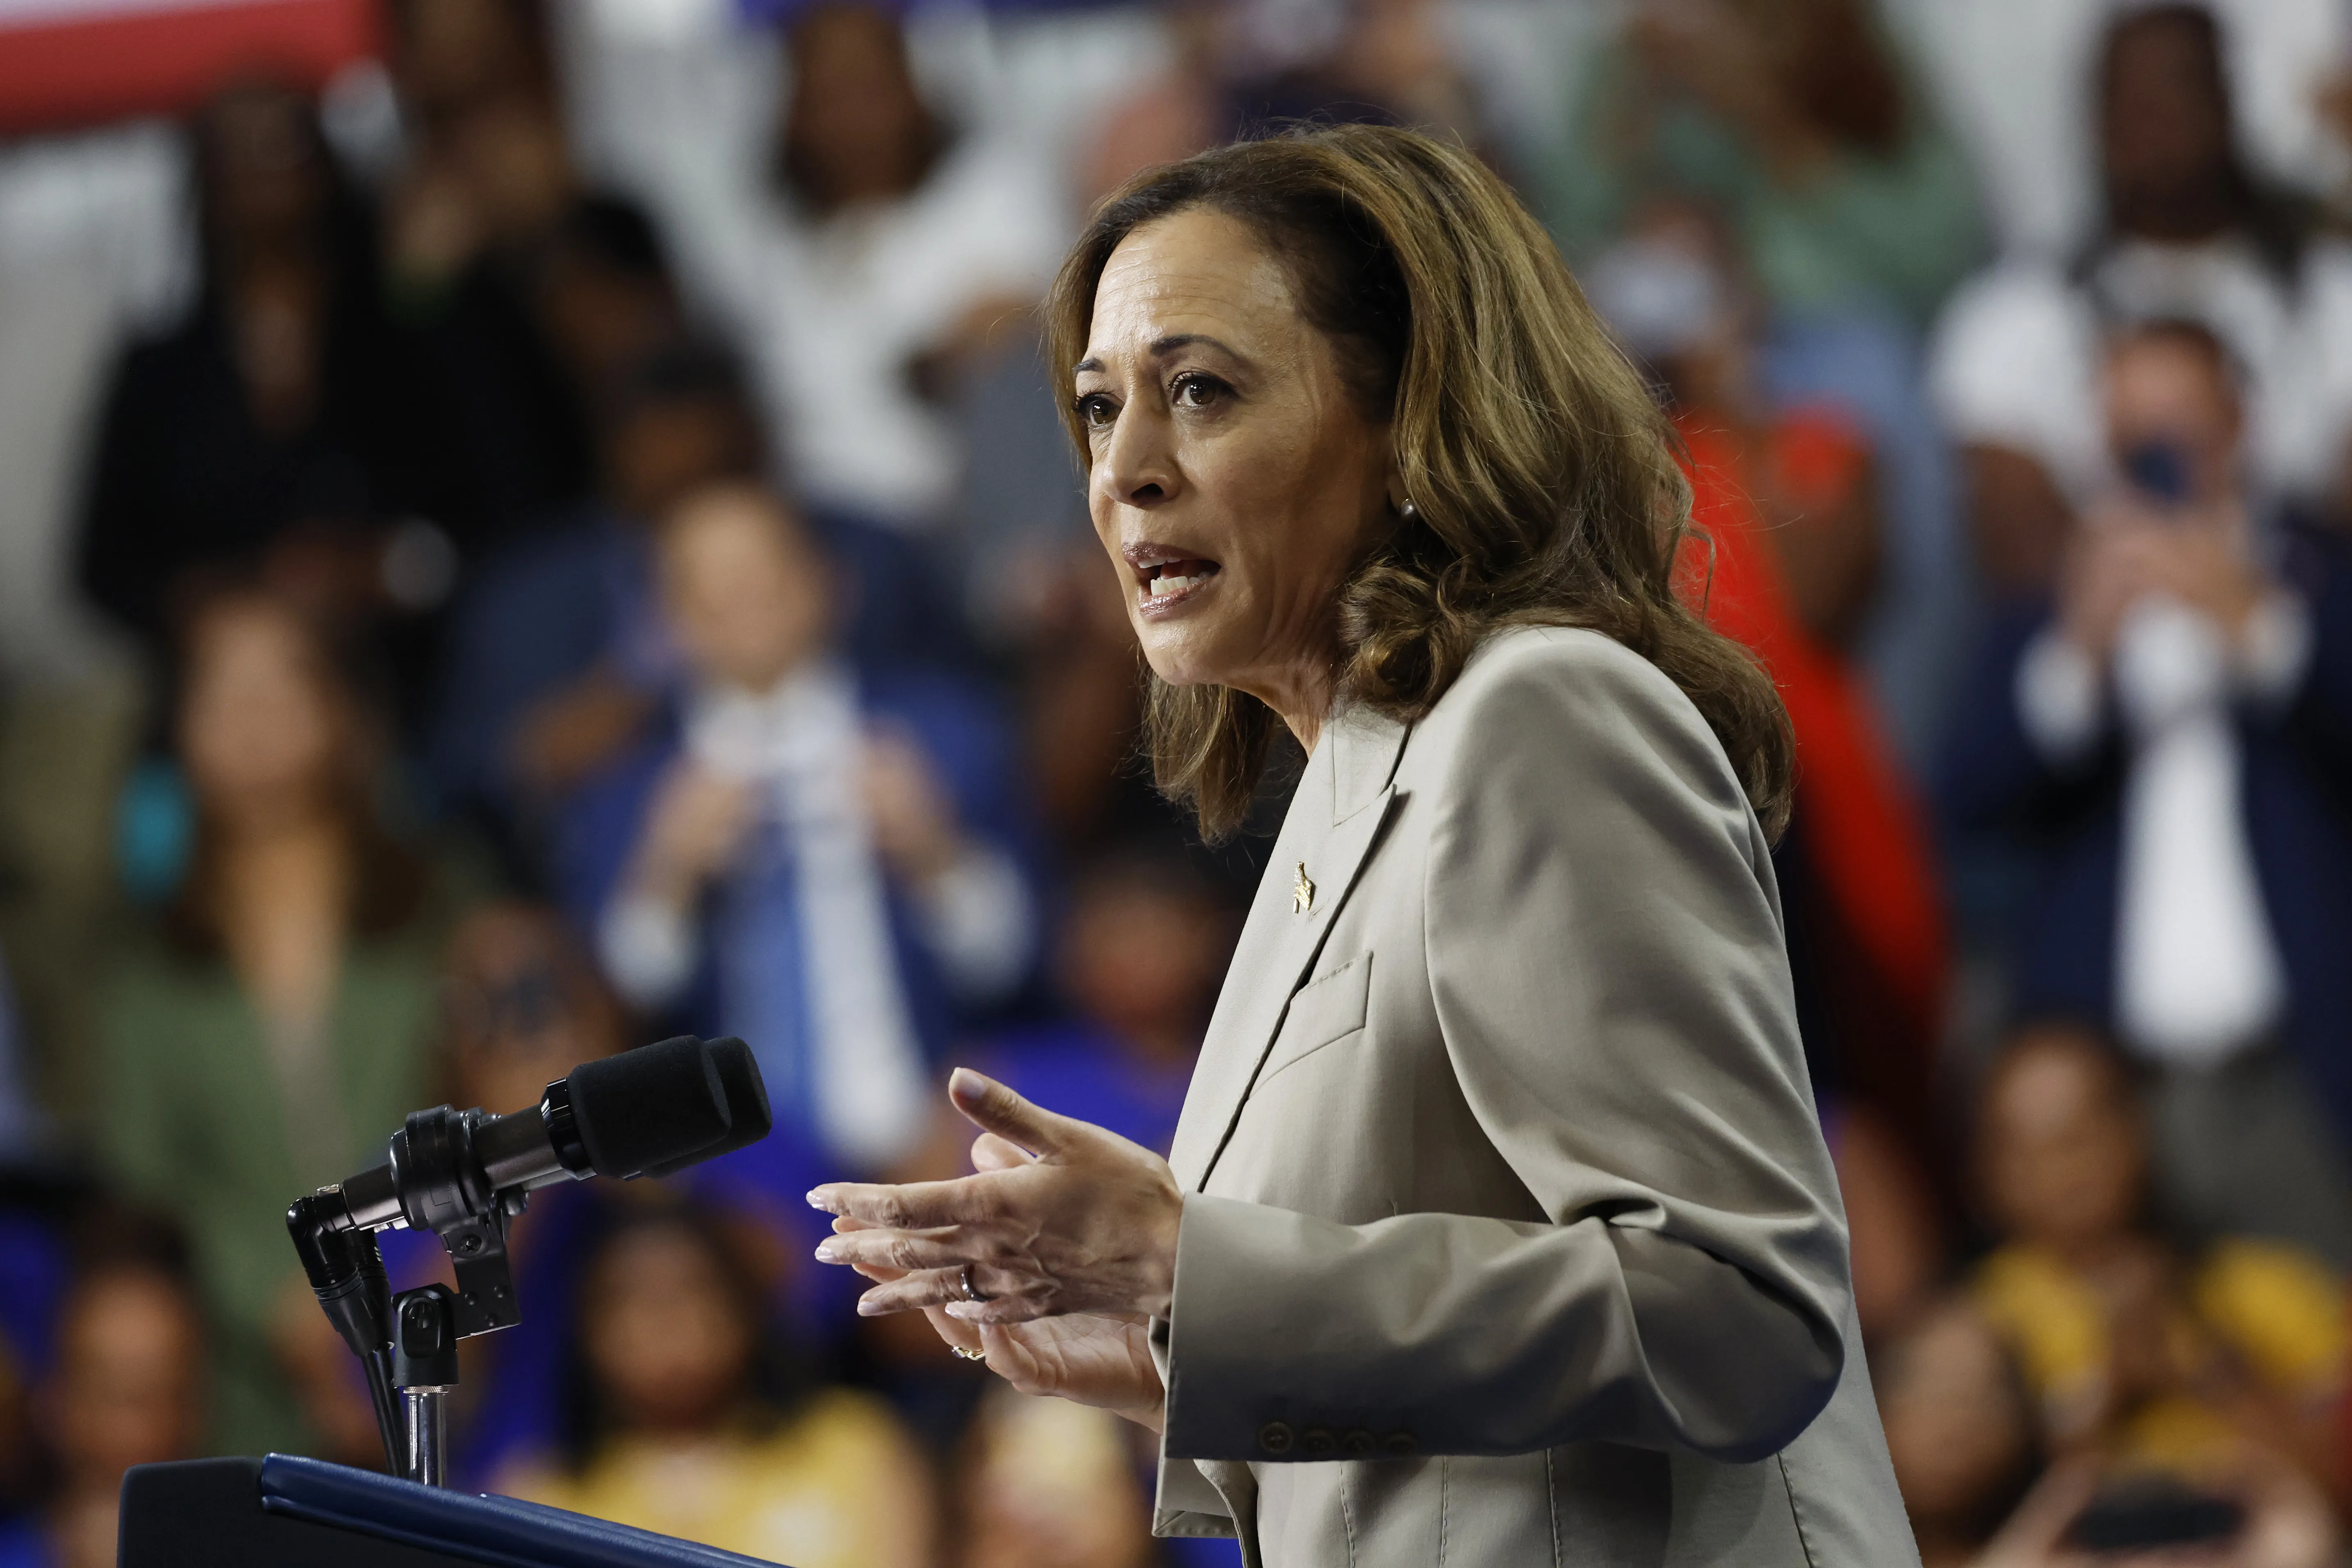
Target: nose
point(1137, 468)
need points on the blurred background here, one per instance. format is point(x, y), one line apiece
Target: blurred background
point(527, 526)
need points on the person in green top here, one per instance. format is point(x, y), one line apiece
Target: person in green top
point(1795, 120)
point(269, 1032)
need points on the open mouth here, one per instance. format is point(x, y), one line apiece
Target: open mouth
point(1165, 574)
point(1176, 577)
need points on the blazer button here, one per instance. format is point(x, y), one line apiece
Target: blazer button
point(1319, 1442)
point(1275, 1438)
point(1401, 1446)
point(1359, 1444)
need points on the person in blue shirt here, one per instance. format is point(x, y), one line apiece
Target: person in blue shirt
point(812, 852)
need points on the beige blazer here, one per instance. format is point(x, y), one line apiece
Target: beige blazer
point(1509, 1235)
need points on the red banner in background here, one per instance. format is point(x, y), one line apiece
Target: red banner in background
point(65, 63)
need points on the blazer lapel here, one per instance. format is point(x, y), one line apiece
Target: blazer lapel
point(1343, 800)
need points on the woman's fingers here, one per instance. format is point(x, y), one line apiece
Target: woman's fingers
point(990, 1153)
point(956, 1336)
point(913, 1205)
point(992, 1108)
point(944, 1289)
point(897, 1251)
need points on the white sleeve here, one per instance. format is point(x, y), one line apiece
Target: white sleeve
point(979, 922)
point(649, 950)
point(2058, 700)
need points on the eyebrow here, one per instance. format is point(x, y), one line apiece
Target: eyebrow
point(1162, 347)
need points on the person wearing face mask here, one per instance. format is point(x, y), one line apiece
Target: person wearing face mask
point(809, 853)
point(2165, 740)
point(1498, 1225)
point(2190, 229)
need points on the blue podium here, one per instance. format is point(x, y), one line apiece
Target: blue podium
point(288, 1512)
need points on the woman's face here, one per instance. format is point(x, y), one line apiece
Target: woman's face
point(257, 730)
point(2059, 1146)
point(1234, 475)
point(664, 1335)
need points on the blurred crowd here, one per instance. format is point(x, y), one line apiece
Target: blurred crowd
point(563, 537)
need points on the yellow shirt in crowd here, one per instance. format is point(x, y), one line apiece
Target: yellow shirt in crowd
point(2279, 1312)
point(838, 1486)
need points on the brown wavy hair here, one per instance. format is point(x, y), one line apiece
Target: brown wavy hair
point(1543, 476)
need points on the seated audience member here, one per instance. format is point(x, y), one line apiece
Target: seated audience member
point(683, 1416)
point(804, 853)
point(2133, 1353)
point(1784, 498)
point(1043, 1483)
point(1959, 1429)
point(1142, 946)
point(1802, 123)
point(1851, 213)
point(127, 1388)
point(2189, 231)
point(273, 1030)
point(277, 424)
point(2166, 741)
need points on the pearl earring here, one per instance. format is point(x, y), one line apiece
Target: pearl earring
point(1408, 512)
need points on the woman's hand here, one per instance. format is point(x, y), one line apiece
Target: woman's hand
point(1061, 1217)
point(1084, 1358)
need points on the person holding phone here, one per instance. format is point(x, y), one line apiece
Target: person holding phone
point(2165, 739)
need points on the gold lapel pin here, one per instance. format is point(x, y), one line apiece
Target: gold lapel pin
point(1302, 893)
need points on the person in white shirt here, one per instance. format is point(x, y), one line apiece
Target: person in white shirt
point(2190, 232)
point(859, 261)
point(813, 856)
point(2164, 738)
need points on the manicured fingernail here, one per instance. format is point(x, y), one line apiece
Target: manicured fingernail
point(868, 1308)
point(829, 1250)
point(964, 1311)
point(819, 1198)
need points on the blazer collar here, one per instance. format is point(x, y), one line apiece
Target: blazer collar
point(1343, 798)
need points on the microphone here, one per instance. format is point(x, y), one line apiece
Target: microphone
point(651, 1111)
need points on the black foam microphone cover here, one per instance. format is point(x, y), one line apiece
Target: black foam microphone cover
point(659, 1105)
point(747, 1104)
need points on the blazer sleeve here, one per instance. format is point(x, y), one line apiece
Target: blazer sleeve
point(1609, 973)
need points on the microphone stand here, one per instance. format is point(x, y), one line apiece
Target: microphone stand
point(407, 1343)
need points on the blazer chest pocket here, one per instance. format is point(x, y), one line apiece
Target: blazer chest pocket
point(1327, 1008)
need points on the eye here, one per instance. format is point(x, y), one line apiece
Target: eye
point(1196, 389)
point(1095, 412)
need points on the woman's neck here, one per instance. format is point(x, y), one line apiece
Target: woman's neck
point(1300, 693)
point(285, 895)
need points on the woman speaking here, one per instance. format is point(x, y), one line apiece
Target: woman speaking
point(1499, 1228)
